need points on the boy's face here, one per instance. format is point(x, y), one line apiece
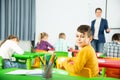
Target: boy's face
point(82, 39)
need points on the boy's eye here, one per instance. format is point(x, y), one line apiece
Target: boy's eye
point(82, 36)
point(77, 36)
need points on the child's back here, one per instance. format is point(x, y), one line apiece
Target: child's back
point(43, 44)
point(61, 44)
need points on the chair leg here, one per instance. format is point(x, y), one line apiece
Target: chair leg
point(28, 64)
point(103, 71)
point(1, 62)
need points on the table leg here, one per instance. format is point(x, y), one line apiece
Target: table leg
point(28, 64)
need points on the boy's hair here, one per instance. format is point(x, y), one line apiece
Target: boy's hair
point(85, 28)
point(98, 9)
point(62, 35)
point(42, 35)
point(116, 37)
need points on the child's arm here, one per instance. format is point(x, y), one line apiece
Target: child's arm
point(16, 48)
point(50, 46)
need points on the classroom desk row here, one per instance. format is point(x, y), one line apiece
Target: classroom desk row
point(103, 62)
point(57, 75)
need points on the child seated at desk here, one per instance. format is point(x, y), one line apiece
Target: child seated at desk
point(112, 49)
point(86, 57)
point(61, 44)
point(7, 48)
point(42, 46)
point(43, 43)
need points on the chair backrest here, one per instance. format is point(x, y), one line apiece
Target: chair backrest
point(25, 45)
point(61, 54)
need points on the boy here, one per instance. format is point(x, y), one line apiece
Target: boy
point(112, 49)
point(61, 44)
point(85, 58)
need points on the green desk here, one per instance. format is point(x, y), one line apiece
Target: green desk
point(56, 76)
point(28, 56)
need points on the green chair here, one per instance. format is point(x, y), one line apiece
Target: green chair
point(1, 62)
point(61, 54)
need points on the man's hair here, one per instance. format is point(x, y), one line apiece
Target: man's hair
point(85, 28)
point(61, 35)
point(98, 9)
point(116, 37)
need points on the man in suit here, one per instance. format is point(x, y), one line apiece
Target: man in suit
point(98, 26)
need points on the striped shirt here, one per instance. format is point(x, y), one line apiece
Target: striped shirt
point(111, 49)
point(61, 45)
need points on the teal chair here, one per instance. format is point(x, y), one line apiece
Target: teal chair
point(1, 62)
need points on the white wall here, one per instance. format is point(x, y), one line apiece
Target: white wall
point(55, 16)
point(113, 17)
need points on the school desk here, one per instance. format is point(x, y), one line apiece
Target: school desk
point(56, 76)
point(108, 63)
point(28, 56)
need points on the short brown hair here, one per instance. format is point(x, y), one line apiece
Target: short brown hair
point(116, 37)
point(85, 28)
point(62, 35)
point(98, 9)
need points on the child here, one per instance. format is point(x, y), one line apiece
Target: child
point(112, 49)
point(85, 58)
point(43, 44)
point(7, 48)
point(61, 44)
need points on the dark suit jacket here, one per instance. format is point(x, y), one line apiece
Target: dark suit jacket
point(103, 26)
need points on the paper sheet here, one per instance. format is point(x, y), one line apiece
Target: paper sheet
point(27, 72)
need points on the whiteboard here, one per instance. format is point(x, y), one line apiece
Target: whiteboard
point(113, 13)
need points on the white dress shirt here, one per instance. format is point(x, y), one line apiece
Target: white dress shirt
point(96, 27)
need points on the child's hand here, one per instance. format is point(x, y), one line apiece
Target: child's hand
point(60, 61)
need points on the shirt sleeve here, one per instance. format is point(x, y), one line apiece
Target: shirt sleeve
point(16, 48)
point(78, 63)
point(106, 24)
point(49, 45)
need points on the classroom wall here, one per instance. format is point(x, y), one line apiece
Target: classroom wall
point(55, 16)
point(113, 17)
